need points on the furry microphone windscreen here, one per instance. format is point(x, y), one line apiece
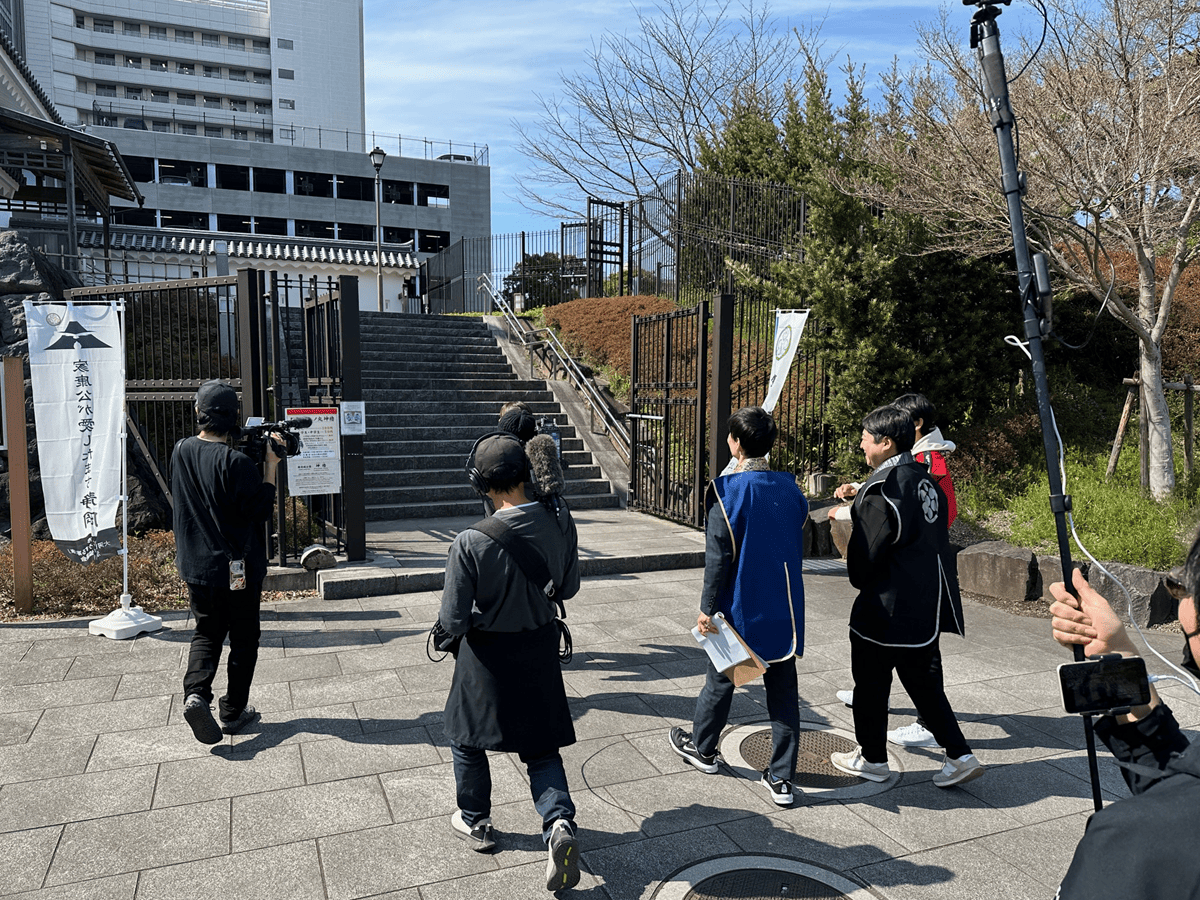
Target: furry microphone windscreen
point(543, 462)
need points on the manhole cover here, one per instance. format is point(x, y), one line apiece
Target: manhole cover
point(813, 768)
point(761, 884)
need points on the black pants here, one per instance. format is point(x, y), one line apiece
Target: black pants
point(219, 613)
point(920, 672)
point(783, 708)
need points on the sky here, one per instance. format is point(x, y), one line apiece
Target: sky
point(464, 70)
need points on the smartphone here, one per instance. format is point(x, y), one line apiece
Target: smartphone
point(1108, 684)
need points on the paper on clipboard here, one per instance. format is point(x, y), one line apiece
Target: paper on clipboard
point(729, 653)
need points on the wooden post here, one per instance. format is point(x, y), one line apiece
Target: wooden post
point(18, 483)
point(1189, 430)
point(1124, 423)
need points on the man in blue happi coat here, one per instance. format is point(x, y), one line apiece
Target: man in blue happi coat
point(752, 562)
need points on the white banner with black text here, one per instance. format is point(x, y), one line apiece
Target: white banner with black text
point(788, 325)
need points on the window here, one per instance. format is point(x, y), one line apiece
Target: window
point(133, 30)
point(185, 99)
point(185, 37)
point(105, 25)
point(106, 121)
point(212, 40)
point(287, 74)
point(160, 126)
point(287, 134)
point(397, 235)
point(158, 65)
point(237, 105)
point(432, 241)
point(264, 137)
point(237, 43)
point(261, 46)
point(286, 104)
point(185, 68)
point(133, 62)
point(106, 90)
point(239, 134)
point(183, 172)
point(187, 128)
point(261, 77)
point(212, 71)
point(398, 192)
point(80, 21)
point(233, 178)
point(105, 59)
point(313, 184)
point(281, 43)
point(131, 216)
point(433, 195)
point(355, 232)
point(133, 93)
point(160, 96)
point(237, 75)
point(213, 131)
point(158, 32)
point(141, 168)
point(351, 187)
point(270, 181)
point(238, 224)
point(263, 109)
point(268, 225)
point(183, 218)
point(306, 228)
point(212, 102)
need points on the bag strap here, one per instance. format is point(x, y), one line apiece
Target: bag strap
point(531, 563)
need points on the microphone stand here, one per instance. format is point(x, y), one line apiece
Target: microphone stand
point(1033, 280)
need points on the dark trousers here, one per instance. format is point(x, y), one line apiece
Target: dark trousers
point(920, 672)
point(547, 784)
point(219, 613)
point(783, 708)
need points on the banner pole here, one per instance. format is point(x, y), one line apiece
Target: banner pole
point(18, 484)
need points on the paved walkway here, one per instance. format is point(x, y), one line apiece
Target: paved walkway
point(345, 788)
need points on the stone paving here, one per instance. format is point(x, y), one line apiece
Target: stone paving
point(345, 788)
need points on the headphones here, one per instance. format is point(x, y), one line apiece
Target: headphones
point(474, 476)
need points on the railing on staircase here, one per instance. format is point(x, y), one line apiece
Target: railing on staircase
point(555, 356)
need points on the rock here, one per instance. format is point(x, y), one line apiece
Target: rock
point(1152, 604)
point(997, 569)
point(12, 317)
point(317, 557)
point(821, 483)
point(1050, 571)
point(26, 270)
point(817, 540)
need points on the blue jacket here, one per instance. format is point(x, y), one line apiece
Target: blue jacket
point(753, 560)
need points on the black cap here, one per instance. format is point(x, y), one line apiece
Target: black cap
point(501, 458)
point(217, 398)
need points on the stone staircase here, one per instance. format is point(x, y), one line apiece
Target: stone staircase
point(432, 386)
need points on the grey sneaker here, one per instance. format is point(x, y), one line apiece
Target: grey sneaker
point(197, 714)
point(562, 869)
point(959, 771)
point(479, 835)
point(681, 743)
point(846, 697)
point(241, 720)
point(852, 763)
point(914, 735)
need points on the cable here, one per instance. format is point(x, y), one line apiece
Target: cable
point(1045, 28)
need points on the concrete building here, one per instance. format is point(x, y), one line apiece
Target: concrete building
point(243, 117)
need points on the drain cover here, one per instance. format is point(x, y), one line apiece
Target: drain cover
point(813, 768)
point(761, 884)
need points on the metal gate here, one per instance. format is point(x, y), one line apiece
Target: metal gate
point(669, 412)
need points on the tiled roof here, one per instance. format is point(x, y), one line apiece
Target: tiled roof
point(289, 250)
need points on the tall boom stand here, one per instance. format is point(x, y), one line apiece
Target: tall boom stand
point(1033, 280)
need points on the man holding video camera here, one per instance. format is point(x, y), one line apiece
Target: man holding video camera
point(1142, 847)
point(221, 502)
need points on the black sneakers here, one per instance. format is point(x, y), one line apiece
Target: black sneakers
point(197, 714)
point(562, 869)
point(478, 836)
point(781, 791)
point(241, 720)
point(681, 743)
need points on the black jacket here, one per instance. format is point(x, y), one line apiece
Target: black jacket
point(899, 558)
point(1143, 847)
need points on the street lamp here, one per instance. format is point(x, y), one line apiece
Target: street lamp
point(377, 157)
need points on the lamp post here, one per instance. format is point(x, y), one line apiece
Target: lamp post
point(377, 157)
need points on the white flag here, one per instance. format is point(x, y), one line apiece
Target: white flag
point(77, 364)
point(788, 325)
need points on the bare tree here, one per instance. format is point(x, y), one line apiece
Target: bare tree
point(632, 116)
point(1108, 130)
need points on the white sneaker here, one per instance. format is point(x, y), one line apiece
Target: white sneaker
point(914, 735)
point(958, 771)
point(846, 697)
point(852, 763)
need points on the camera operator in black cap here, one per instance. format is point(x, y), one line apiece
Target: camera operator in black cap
point(1144, 846)
point(507, 693)
point(221, 501)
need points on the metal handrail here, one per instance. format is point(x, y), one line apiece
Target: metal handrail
point(612, 425)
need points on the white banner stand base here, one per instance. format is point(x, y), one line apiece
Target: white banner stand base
point(126, 622)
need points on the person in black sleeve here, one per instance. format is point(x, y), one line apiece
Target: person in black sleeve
point(507, 693)
point(1143, 847)
point(221, 502)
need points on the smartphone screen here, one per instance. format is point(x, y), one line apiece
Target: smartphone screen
point(1101, 685)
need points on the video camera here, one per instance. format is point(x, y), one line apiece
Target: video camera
point(253, 440)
